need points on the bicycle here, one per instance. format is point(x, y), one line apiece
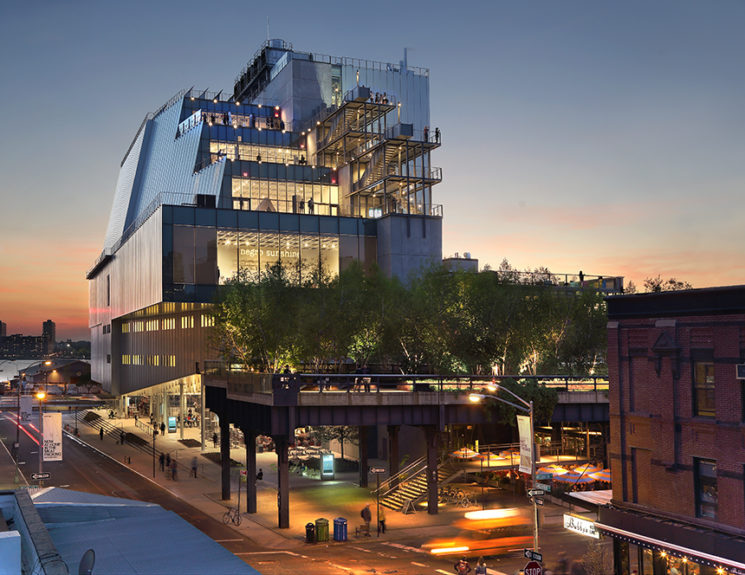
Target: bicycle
point(232, 514)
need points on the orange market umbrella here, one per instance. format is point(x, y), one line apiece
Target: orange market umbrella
point(553, 469)
point(586, 468)
point(464, 453)
point(603, 475)
point(574, 477)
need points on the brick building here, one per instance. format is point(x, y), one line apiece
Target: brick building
point(677, 416)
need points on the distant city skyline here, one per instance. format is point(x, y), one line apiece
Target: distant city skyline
point(605, 137)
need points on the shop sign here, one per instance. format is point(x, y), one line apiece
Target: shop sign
point(581, 525)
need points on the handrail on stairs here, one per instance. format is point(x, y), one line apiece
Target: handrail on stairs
point(384, 485)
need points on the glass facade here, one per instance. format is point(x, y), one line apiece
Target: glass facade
point(234, 242)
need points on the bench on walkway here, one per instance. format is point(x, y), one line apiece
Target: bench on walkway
point(362, 530)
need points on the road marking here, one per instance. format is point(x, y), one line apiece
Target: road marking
point(444, 572)
point(227, 540)
point(347, 569)
point(418, 564)
point(267, 552)
point(362, 549)
point(405, 547)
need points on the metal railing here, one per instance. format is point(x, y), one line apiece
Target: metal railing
point(250, 382)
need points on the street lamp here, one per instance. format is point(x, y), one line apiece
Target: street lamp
point(155, 432)
point(47, 363)
point(40, 395)
point(527, 406)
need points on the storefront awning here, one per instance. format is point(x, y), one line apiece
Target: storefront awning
point(706, 546)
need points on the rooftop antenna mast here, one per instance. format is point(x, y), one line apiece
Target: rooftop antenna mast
point(267, 28)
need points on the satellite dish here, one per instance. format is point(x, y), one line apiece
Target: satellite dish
point(87, 562)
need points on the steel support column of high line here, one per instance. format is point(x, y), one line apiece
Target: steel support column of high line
point(276, 404)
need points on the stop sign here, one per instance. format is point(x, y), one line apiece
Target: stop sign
point(533, 568)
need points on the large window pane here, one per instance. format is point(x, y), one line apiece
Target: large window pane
point(290, 254)
point(183, 254)
point(309, 256)
point(703, 388)
point(268, 250)
point(348, 252)
point(227, 255)
point(248, 253)
point(205, 255)
point(330, 255)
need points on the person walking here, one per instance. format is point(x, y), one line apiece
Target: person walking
point(480, 567)
point(194, 466)
point(462, 567)
point(168, 461)
point(162, 429)
point(173, 470)
point(381, 519)
point(162, 460)
point(214, 439)
point(562, 565)
point(122, 437)
point(100, 433)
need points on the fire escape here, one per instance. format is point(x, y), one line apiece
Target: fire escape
point(389, 169)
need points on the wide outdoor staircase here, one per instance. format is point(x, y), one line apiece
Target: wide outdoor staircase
point(409, 486)
point(375, 170)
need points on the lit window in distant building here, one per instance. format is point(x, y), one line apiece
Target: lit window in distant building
point(703, 389)
point(207, 320)
point(187, 322)
point(707, 493)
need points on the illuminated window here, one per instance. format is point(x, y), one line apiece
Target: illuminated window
point(707, 493)
point(125, 327)
point(169, 323)
point(207, 320)
point(187, 322)
point(703, 389)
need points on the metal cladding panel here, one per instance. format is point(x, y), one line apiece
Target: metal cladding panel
point(168, 164)
point(124, 187)
point(405, 86)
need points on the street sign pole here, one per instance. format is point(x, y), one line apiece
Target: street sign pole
point(377, 502)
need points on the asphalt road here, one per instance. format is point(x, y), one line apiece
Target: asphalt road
point(85, 469)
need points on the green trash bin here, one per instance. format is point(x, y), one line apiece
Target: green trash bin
point(322, 529)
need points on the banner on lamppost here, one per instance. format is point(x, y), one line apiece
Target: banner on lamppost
point(26, 405)
point(523, 428)
point(52, 434)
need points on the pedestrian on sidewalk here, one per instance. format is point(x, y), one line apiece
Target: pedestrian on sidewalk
point(135, 418)
point(366, 515)
point(168, 461)
point(260, 474)
point(214, 439)
point(480, 567)
point(162, 460)
point(162, 429)
point(173, 470)
point(381, 519)
point(122, 437)
point(194, 466)
point(462, 567)
point(100, 433)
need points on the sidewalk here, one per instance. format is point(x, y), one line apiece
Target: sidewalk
point(310, 498)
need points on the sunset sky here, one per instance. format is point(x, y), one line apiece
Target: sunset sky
point(602, 136)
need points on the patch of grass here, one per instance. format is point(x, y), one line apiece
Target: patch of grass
point(190, 442)
point(214, 456)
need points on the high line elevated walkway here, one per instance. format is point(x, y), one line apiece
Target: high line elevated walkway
point(277, 404)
